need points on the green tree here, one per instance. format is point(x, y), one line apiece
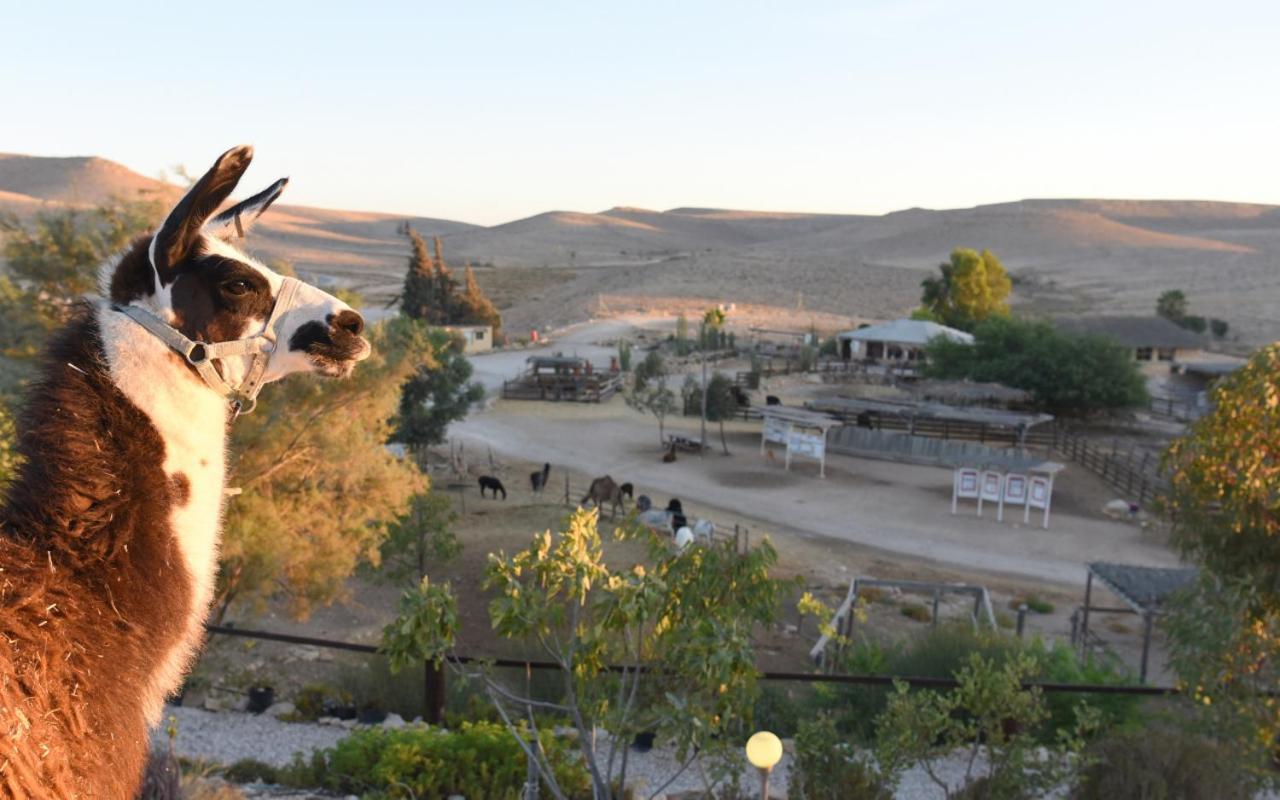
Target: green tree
point(438, 393)
point(419, 538)
point(1065, 374)
point(418, 299)
point(972, 287)
point(721, 404)
point(681, 622)
point(51, 261)
point(317, 483)
point(1172, 305)
point(682, 335)
point(1219, 328)
point(624, 355)
point(8, 447)
point(990, 711)
point(653, 366)
point(654, 398)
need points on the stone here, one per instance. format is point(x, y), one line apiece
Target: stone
point(393, 721)
point(281, 709)
point(1117, 509)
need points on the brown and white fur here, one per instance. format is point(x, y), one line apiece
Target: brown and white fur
point(109, 535)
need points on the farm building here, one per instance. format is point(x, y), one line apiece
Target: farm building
point(1151, 339)
point(897, 340)
point(568, 378)
point(475, 338)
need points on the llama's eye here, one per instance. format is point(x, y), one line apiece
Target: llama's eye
point(237, 288)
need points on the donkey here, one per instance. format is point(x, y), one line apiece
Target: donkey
point(109, 536)
point(604, 490)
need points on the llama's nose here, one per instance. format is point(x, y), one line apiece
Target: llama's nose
point(349, 321)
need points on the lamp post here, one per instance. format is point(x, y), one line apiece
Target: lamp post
point(764, 751)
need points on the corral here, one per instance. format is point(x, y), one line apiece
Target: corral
point(563, 378)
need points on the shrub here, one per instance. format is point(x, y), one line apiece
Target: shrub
point(1034, 603)
point(916, 612)
point(479, 760)
point(249, 770)
point(312, 701)
point(827, 768)
point(1193, 323)
point(872, 594)
point(1218, 327)
point(1163, 764)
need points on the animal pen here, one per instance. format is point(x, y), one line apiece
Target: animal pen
point(563, 378)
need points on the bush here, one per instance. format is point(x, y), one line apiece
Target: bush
point(1218, 327)
point(826, 768)
point(1163, 764)
point(249, 770)
point(1034, 603)
point(312, 701)
point(939, 652)
point(479, 760)
point(1194, 323)
point(917, 612)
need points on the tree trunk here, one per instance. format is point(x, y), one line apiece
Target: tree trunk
point(723, 443)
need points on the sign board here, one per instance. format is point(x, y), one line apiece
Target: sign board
point(776, 430)
point(1039, 495)
point(1015, 489)
point(809, 445)
point(964, 486)
point(990, 490)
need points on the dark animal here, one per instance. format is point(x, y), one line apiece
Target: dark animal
point(678, 520)
point(740, 396)
point(493, 485)
point(772, 400)
point(864, 419)
point(538, 480)
point(628, 490)
point(643, 503)
point(604, 490)
point(669, 456)
point(109, 535)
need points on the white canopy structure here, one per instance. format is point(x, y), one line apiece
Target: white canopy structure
point(897, 340)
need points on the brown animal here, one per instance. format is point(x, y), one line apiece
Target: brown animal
point(109, 536)
point(669, 457)
point(604, 490)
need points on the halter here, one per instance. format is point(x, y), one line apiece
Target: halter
point(201, 355)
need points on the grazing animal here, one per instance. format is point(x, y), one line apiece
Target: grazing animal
point(772, 400)
point(670, 456)
point(604, 490)
point(628, 490)
point(493, 485)
point(538, 480)
point(109, 535)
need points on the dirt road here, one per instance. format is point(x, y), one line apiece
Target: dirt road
point(897, 508)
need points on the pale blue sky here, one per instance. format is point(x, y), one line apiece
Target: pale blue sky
point(486, 112)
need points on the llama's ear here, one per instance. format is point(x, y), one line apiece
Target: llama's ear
point(180, 231)
point(240, 217)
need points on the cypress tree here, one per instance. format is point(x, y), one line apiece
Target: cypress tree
point(418, 300)
point(475, 308)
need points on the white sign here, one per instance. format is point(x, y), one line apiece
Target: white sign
point(1015, 489)
point(990, 490)
point(1039, 496)
point(964, 486)
point(810, 445)
point(776, 430)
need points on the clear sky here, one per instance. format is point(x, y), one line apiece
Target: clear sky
point(487, 112)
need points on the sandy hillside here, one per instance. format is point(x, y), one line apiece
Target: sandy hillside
point(1068, 256)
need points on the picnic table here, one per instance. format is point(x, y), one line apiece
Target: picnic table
point(684, 443)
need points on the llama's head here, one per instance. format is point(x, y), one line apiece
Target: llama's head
point(191, 276)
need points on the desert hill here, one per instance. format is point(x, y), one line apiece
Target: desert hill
point(1066, 254)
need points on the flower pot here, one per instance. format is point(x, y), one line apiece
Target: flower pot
point(643, 742)
point(261, 698)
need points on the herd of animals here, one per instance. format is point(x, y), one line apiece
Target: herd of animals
point(604, 490)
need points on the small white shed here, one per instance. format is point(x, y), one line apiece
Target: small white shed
point(897, 340)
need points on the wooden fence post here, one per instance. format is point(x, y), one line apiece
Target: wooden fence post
point(566, 489)
point(433, 693)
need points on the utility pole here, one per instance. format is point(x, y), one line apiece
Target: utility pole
point(711, 321)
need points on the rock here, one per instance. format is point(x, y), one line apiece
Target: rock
point(328, 721)
point(1117, 509)
point(281, 709)
point(304, 652)
point(393, 721)
point(347, 723)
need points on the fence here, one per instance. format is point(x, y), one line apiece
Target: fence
point(903, 447)
point(1136, 474)
point(433, 711)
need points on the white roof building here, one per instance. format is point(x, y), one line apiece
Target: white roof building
point(899, 339)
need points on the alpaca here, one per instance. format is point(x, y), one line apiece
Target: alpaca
point(628, 490)
point(538, 480)
point(492, 484)
point(602, 490)
point(109, 535)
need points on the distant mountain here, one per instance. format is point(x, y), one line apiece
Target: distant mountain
point(1066, 255)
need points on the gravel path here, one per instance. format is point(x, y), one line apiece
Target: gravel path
point(229, 737)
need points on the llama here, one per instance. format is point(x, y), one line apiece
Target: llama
point(604, 490)
point(109, 536)
point(628, 490)
point(493, 485)
point(538, 480)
